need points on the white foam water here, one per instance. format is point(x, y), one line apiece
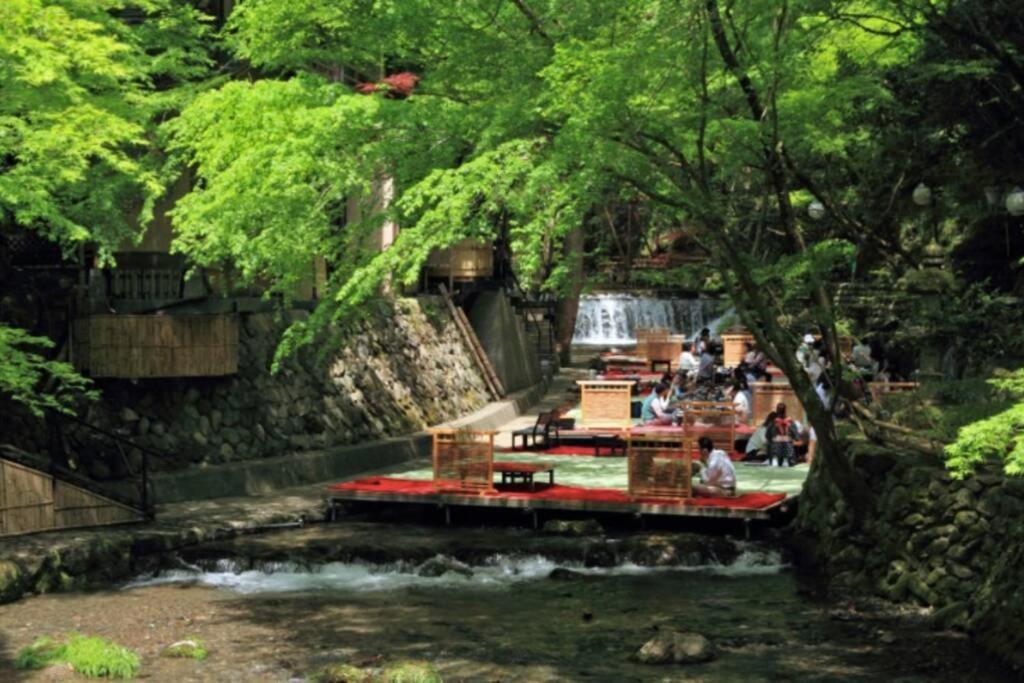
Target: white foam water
point(612, 319)
point(496, 572)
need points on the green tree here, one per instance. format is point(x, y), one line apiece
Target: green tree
point(84, 84)
point(530, 115)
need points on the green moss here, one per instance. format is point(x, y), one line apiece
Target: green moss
point(411, 672)
point(90, 656)
point(340, 673)
point(190, 648)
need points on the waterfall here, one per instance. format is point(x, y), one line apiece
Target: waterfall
point(612, 319)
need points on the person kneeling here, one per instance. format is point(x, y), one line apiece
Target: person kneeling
point(717, 476)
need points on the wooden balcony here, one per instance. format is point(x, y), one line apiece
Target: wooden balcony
point(149, 346)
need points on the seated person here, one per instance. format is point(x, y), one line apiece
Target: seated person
point(717, 476)
point(757, 444)
point(782, 435)
point(655, 410)
point(755, 364)
point(741, 402)
point(703, 341)
point(688, 363)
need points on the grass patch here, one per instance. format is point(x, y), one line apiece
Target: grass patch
point(90, 656)
point(411, 672)
point(341, 673)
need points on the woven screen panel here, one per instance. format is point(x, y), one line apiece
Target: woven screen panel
point(769, 394)
point(605, 403)
point(463, 460)
point(660, 468)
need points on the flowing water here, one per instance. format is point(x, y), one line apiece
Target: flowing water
point(278, 609)
point(612, 319)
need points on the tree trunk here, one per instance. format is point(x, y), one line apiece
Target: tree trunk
point(569, 304)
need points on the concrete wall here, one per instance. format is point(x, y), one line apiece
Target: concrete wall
point(504, 340)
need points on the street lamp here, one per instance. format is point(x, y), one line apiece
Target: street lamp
point(1015, 202)
point(816, 210)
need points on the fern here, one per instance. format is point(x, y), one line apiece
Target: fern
point(90, 656)
point(999, 437)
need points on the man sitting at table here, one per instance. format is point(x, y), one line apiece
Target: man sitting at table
point(717, 474)
point(655, 410)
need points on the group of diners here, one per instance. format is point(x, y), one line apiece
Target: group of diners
point(780, 439)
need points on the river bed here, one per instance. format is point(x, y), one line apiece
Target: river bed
point(278, 607)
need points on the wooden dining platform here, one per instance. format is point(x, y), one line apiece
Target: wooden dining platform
point(380, 491)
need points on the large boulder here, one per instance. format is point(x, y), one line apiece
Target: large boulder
point(676, 647)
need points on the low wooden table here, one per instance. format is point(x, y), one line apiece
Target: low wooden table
point(511, 471)
point(598, 439)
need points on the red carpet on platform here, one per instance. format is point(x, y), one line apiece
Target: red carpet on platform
point(562, 450)
point(416, 488)
point(735, 456)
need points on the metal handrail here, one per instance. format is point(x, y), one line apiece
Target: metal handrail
point(144, 503)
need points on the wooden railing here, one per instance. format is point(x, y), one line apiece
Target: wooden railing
point(33, 499)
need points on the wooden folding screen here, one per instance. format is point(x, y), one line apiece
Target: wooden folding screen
point(660, 467)
point(605, 404)
point(662, 353)
point(769, 394)
point(647, 335)
point(734, 348)
point(713, 419)
point(463, 460)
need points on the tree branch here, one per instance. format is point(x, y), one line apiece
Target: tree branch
point(535, 22)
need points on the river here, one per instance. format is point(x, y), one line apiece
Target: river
point(278, 607)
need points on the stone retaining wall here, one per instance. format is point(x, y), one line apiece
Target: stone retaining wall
point(399, 372)
point(954, 546)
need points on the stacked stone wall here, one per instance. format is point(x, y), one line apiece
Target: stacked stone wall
point(956, 547)
point(398, 372)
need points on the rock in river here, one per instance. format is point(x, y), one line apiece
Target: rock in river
point(440, 565)
point(676, 647)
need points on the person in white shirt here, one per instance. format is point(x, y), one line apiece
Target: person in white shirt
point(688, 363)
point(717, 476)
point(741, 403)
point(805, 352)
point(757, 444)
point(703, 341)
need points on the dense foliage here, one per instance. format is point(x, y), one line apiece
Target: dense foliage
point(84, 85)
point(543, 124)
point(995, 438)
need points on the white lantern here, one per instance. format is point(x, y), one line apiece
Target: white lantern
point(1015, 202)
point(922, 195)
point(816, 210)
